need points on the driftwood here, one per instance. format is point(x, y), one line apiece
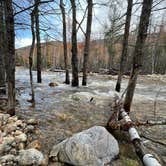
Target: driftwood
point(121, 120)
point(122, 125)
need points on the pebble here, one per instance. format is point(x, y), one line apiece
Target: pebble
point(21, 138)
point(15, 136)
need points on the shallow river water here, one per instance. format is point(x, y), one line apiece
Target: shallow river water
point(63, 110)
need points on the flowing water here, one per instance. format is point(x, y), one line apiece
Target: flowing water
point(63, 110)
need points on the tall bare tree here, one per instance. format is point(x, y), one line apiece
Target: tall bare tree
point(37, 25)
point(10, 55)
point(31, 56)
point(125, 45)
point(112, 34)
point(74, 59)
point(138, 52)
point(2, 50)
point(87, 41)
point(67, 79)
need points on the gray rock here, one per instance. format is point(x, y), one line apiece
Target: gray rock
point(29, 128)
point(92, 147)
point(7, 158)
point(19, 123)
point(10, 128)
point(32, 122)
point(21, 138)
point(4, 117)
point(30, 157)
point(6, 144)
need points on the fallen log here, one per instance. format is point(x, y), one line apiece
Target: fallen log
point(119, 113)
point(146, 158)
point(122, 125)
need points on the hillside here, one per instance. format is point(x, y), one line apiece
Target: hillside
point(52, 54)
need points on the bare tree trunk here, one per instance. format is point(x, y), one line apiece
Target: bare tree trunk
point(31, 57)
point(74, 59)
point(67, 79)
point(138, 52)
point(125, 45)
point(39, 61)
point(10, 55)
point(2, 51)
point(87, 42)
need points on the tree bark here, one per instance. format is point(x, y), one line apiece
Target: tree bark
point(2, 51)
point(67, 79)
point(10, 55)
point(87, 42)
point(138, 52)
point(39, 61)
point(74, 59)
point(31, 57)
point(125, 45)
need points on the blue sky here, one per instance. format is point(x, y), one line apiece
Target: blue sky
point(100, 19)
point(23, 36)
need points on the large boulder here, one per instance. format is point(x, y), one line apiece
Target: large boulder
point(92, 147)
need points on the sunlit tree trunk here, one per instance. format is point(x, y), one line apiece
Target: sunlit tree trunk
point(138, 52)
point(74, 59)
point(125, 45)
point(87, 41)
point(39, 61)
point(67, 79)
point(10, 55)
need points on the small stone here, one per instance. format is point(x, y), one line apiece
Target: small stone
point(6, 144)
point(19, 123)
point(4, 117)
point(52, 84)
point(10, 128)
point(17, 132)
point(30, 157)
point(21, 138)
point(12, 119)
point(56, 164)
point(35, 144)
point(4, 134)
point(21, 146)
point(13, 151)
point(7, 158)
point(13, 144)
point(32, 122)
point(29, 128)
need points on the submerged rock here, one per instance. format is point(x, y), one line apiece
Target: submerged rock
point(52, 84)
point(30, 157)
point(92, 147)
point(32, 122)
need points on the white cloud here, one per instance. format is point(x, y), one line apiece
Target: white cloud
point(22, 42)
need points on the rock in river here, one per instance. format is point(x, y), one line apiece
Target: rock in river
point(92, 147)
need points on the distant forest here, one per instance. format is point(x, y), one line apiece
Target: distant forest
point(52, 54)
